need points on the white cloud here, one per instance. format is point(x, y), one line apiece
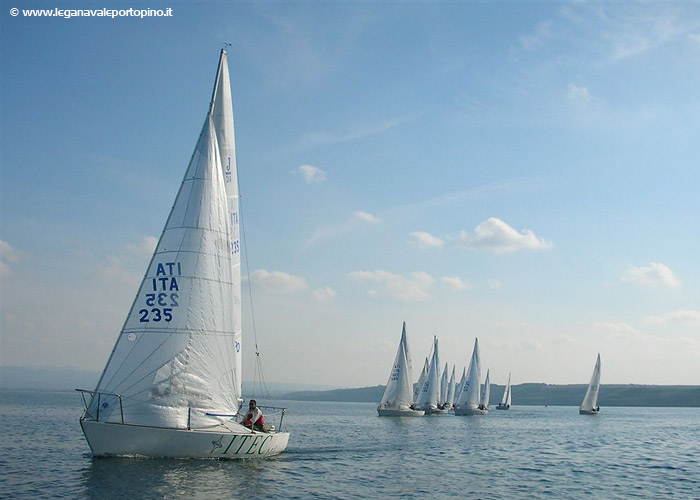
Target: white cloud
point(366, 217)
point(454, 282)
point(8, 255)
point(145, 248)
point(493, 284)
point(311, 174)
point(355, 221)
point(278, 281)
point(655, 275)
point(317, 139)
point(426, 240)
point(543, 31)
point(578, 94)
point(496, 236)
point(412, 288)
point(691, 317)
point(325, 295)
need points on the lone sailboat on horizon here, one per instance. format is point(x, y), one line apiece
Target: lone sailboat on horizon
point(172, 384)
point(589, 406)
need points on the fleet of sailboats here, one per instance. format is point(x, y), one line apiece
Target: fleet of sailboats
point(172, 384)
point(439, 394)
point(436, 392)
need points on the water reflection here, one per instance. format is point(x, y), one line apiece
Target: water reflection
point(144, 478)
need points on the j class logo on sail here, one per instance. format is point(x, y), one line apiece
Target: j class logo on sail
point(228, 172)
point(163, 300)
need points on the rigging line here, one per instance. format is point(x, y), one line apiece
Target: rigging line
point(247, 271)
point(258, 363)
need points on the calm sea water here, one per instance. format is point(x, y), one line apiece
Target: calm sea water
point(344, 451)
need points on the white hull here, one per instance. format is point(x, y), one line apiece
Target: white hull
point(223, 441)
point(470, 411)
point(503, 407)
point(400, 413)
point(437, 411)
point(588, 412)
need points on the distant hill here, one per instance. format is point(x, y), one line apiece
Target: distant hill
point(542, 394)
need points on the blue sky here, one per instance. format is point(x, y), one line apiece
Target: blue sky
point(527, 173)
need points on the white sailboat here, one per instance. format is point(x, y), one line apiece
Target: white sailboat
point(172, 384)
point(450, 400)
point(444, 383)
point(468, 401)
point(485, 393)
point(589, 406)
point(506, 399)
point(429, 396)
point(397, 400)
point(458, 387)
point(421, 379)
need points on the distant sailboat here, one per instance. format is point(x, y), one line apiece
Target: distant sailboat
point(468, 401)
point(485, 393)
point(506, 400)
point(589, 406)
point(429, 397)
point(444, 381)
point(450, 400)
point(172, 384)
point(458, 387)
point(421, 379)
point(397, 400)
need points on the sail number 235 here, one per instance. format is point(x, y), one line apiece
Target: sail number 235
point(157, 314)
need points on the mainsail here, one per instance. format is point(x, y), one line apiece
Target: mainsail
point(176, 362)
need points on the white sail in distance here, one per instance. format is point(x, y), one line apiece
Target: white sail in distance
point(430, 392)
point(444, 381)
point(421, 380)
point(506, 399)
point(590, 400)
point(485, 391)
point(451, 390)
point(469, 396)
point(398, 394)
